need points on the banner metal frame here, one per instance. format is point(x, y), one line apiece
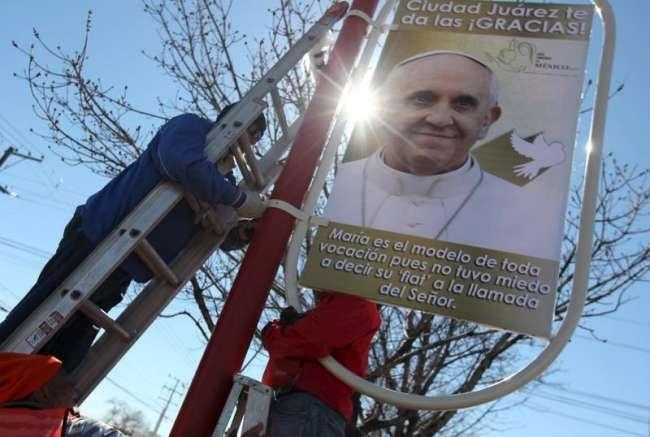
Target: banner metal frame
point(583, 260)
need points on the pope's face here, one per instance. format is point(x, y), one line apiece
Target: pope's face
point(433, 111)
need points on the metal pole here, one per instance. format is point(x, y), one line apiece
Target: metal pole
point(227, 347)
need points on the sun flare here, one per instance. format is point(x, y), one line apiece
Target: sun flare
point(360, 104)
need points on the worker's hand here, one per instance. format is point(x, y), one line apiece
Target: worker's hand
point(289, 316)
point(270, 326)
point(246, 230)
point(253, 205)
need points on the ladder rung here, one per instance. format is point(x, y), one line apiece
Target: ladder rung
point(251, 160)
point(148, 254)
point(207, 216)
point(279, 110)
point(98, 315)
point(237, 419)
point(248, 176)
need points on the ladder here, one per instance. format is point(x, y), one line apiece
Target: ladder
point(247, 406)
point(130, 235)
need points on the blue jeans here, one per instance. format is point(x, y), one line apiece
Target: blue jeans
point(72, 342)
point(299, 414)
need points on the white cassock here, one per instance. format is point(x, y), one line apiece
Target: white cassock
point(466, 206)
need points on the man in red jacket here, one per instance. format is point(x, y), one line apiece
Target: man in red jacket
point(310, 401)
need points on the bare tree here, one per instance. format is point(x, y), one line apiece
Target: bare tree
point(126, 419)
point(93, 124)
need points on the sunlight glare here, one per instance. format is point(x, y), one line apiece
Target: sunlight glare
point(360, 104)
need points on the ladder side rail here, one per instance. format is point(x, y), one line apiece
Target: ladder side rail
point(232, 403)
point(249, 400)
point(271, 163)
point(238, 417)
point(140, 314)
point(258, 405)
point(241, 114)
point(278, 106)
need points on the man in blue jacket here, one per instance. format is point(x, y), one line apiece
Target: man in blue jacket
point(175, 153)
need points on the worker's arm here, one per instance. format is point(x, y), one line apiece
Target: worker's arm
point(334, 323)
point(180, 157)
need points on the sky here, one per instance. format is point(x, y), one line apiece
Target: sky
point(613, 376)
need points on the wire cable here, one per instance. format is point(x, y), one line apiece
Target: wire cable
point(589, 406)
point(544, 410)
point(590, 395)
point(133, 395)
point(615, 344)
point(25, 248)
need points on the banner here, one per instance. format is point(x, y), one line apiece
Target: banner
point(452, 197)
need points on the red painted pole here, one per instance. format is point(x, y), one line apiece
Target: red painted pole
point(231, 338)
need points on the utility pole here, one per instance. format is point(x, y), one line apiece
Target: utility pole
point(9, 151)
point(172, 392)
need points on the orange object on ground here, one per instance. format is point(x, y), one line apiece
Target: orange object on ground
point(21, 374)
point(23, 422)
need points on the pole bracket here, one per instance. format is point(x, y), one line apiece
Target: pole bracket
point(383, 27)
point(299, 214)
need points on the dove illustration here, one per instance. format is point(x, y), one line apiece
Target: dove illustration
point(542, 154)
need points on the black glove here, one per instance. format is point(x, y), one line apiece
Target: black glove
point(264, 329)
point(246, 230)
point(289, 316)
point(230, 177)
point(239, 236)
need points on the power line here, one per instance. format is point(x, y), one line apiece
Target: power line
point(46, 198)
point(599, 397)
point(630, 321)
point(50, 206)
point(589, 406)
point(28, 264)
point(25, 248)
point(9, 290)
point(545, 410)
point(615, 344)
point(58, 186)
point(132, 395)
point(9, 136)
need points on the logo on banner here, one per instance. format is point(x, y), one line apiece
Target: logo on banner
point(525, 57)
